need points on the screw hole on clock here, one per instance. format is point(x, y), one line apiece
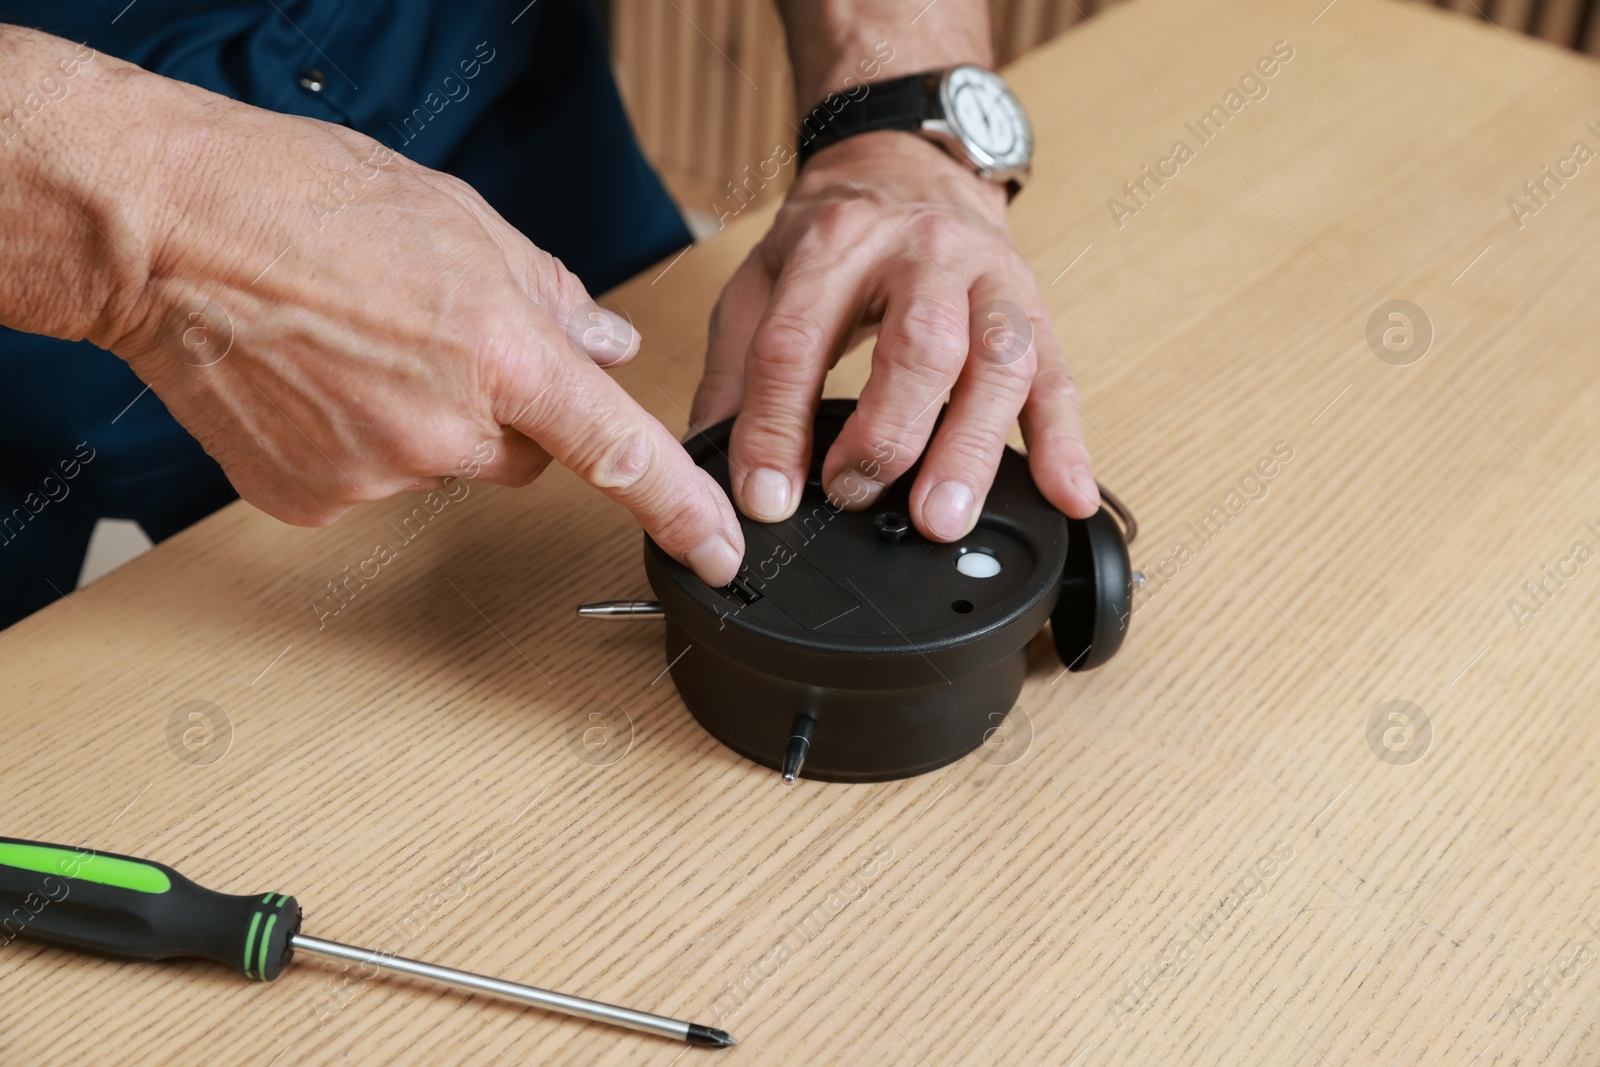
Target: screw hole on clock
point(962, 606)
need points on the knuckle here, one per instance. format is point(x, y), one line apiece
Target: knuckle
point(935, 329)
point(915, 375)
point(569, 290)
point(840, 222)
point(1013, 372)
point(767, 436)
point(1057, 433)
point(503, 344)
point(1052, 454)
point(789, 342)
point(940, 236)
point(1004, 335)
point(970, 448)
point(615, 458)
point(686, 521)
point(1059, 384)
point(887, 443)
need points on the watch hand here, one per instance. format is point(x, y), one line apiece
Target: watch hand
point(988, 128)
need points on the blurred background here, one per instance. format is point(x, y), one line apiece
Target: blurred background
point(707, 80)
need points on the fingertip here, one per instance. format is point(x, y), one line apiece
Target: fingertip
point(768, 451)
point(851, 491)
point(767, 494)
point(1073, 490)
point(948, 511)
point(715, 560)
point(727, 514)
point(1057, 456)
point(1085, 493)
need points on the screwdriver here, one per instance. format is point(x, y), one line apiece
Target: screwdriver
point(137, 909)
point(623, 609)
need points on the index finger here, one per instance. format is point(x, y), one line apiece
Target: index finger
point(588, 423)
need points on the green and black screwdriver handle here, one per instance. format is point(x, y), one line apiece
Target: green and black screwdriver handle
point(136, 909)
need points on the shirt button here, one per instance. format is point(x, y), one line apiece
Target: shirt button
point(313, 80)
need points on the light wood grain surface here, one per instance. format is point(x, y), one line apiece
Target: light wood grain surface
point(1193, 855)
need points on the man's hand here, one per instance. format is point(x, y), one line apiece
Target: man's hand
point(329, 350)
point(886, 230)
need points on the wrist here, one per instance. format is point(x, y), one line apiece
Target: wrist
point(175, 189)
point(900, 161)
point(223, 187)
point(837, 50)
point(87, 188)
point(74, 194)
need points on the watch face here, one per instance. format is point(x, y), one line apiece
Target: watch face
point(988, 118)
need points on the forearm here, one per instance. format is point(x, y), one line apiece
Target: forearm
point(79, 187)
point(832, 40)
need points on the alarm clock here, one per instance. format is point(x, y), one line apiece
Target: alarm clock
point(850, 648)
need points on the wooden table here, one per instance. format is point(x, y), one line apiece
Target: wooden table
point(1200, 855)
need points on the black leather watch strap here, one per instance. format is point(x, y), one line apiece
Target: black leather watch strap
point(896, 104)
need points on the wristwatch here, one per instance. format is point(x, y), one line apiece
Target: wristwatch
point(968, 111)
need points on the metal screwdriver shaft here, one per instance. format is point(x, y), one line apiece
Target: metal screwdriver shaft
point(660, 1025)
point(622, 609)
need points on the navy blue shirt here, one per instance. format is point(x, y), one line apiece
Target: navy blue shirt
point(515, 98)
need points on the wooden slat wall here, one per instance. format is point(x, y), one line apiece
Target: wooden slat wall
point(708, 86)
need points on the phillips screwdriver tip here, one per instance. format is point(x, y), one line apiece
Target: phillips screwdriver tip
point(799, 746)
point(794, 757)
point(706, 1037)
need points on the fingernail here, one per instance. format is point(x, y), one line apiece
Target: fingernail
point(714, 560)
point(948, 510)
point(604, 336)
point(1083, 482)
point(851, 490)
point(768, 495)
